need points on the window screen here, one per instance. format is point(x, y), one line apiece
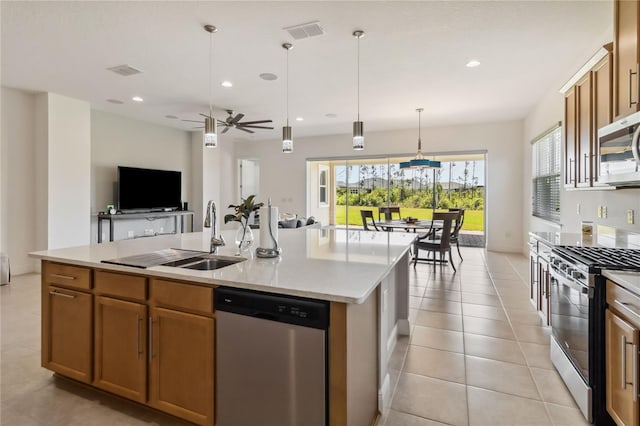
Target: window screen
point(546, 175)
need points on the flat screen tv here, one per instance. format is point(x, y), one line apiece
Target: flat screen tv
point(148, 189)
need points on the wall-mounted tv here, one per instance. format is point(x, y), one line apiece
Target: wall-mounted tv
point(148, 189)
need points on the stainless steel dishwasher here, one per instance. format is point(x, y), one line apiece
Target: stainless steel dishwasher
point(271, 359)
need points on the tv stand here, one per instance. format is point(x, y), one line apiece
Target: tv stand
point(176, 214)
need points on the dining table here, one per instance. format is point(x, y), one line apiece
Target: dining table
point(417, 226)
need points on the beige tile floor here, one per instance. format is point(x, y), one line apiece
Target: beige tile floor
point(477, 355)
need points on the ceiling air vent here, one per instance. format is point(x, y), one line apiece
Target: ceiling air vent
point(125, 70)
point(310, 29)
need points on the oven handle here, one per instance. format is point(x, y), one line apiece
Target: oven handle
point(576, 285)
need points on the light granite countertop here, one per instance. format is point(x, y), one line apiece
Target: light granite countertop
point(328, 264)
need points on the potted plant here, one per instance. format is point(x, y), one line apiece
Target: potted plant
point(244, 237)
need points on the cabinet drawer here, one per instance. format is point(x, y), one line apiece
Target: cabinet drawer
point(66, 275)
point(181, 295)
point(123, 285)
point(624, 302)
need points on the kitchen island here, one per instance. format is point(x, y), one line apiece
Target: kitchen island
point(148, 334)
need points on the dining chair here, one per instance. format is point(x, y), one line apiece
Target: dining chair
point(441, 245)
point(456, 229)
point(389, 212)
point(368, 214)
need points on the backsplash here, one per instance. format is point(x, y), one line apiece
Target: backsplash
point(617, 203)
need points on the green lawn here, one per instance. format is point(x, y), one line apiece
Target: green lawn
point(473, 219)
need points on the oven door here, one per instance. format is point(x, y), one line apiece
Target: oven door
point(572, 336)
point(619, 151)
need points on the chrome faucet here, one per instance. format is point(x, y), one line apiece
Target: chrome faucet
point(210, 222)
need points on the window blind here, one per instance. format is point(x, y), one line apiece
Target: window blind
point(546, 175)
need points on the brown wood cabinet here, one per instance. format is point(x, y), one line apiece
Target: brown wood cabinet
point(622, 375)
point(587, 107)
point(67, 331)
point(626, 28)
point(121, 347)
point(181, 363)
point(570, 140)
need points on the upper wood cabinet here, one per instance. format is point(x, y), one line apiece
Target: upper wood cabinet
point(587, 107)
point(626, 57)
point(570, 121)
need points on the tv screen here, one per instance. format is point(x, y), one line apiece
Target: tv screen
point(148, 189)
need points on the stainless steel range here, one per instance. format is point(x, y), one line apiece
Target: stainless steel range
point(577, 319)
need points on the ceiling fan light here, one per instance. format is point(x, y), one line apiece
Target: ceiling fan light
point(287, 140)
point(210, 132)
point(358, 135)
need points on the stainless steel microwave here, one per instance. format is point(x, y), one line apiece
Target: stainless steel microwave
point(619, 152)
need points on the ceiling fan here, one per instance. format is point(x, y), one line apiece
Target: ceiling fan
point(235, 123)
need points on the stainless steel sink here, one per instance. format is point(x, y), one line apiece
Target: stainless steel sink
point(206, 263)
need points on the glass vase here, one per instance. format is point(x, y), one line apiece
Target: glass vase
point(244, 237)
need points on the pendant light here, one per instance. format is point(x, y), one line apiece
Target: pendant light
point(287, 140)
point(358, 126)
point(210, 123)
point(419, 162)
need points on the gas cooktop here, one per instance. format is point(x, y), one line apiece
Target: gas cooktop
point(601, 257)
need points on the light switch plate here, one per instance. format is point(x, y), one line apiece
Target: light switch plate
point(630, 217)
point(600, 212)
point(604, 212)
point(578, 208)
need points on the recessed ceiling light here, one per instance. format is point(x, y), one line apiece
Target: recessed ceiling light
point(268, 76)
point(330, 115)
point(115, 101)
point(137, 99)
point(173, 117)
point(473, 63)
point(226, 83)
point(299, 119)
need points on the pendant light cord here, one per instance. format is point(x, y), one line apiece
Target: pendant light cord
point(358, 49)
point(287, 88)
point(210, 74)
point(419, 132)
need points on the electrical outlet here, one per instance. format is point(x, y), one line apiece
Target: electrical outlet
point(600, 212)
point(578, 208)
point(148, 232)
point(604, 212)
point(630, 217)
point(161, 230)
point(130, 234)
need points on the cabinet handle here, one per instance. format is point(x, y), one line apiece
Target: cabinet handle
point(63, 277)
point(631, 74)
point(623, 370)
point(586, 163)
point(150, 339)
point(138, 336)
point(68, 296)
point(635, 372)
point(595, 171)
point(572, 176)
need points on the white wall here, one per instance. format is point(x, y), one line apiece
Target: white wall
point(69, 171)
point(283, 177)
point(17, 208)
point(117, 140)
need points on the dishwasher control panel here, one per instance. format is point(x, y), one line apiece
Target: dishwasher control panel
point(289, 309)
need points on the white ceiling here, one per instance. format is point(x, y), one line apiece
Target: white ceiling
point(413, 55)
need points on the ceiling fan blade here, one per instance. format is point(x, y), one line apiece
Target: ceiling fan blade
point(254, 127)
point(226, 129)
point(245, 130)
point(237, 118)
point(194, 121)
point(255, 122)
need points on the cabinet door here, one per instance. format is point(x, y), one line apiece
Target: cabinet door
point(625, 54)
point(534, 290)
point(120, 347)
point(584, 128)
point(67, 332)
point(622, 369)
point(602, 110)
point(570, 138)
point(545, 283)
point(181, 364)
